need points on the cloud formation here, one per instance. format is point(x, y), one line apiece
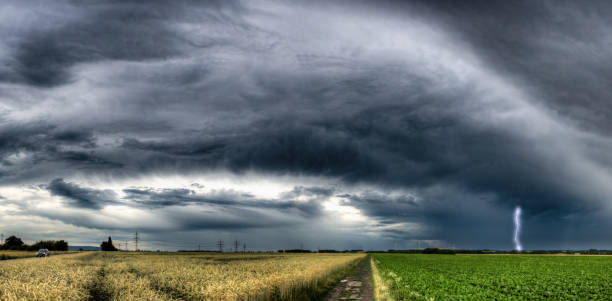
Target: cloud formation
point(81, 197)
point(413, 121)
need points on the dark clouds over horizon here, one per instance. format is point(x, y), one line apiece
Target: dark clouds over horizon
point(340, 124)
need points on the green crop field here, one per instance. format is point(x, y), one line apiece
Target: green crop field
point(493, 277)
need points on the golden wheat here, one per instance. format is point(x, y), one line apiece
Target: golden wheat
point(54, 278)
point(166, 276)
point(11, 254)
point(16, 254)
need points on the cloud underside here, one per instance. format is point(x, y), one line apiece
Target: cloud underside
point(431, 119)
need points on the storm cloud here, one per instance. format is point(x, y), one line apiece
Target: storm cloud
point(81, 197)
point(402, 121)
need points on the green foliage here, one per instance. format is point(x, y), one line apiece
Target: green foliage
point(108, 245)
point(438, 251)
point(13, 243)
point(51, 245)
point(496, 277)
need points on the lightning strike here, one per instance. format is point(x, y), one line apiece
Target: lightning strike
point(517, 228)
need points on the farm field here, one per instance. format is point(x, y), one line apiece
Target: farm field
point(492, 277)
point(4, 255)
point(171, 276)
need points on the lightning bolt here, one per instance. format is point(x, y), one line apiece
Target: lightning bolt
point(517, 228)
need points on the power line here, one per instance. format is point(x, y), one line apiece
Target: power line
point(136, 240)
point(220, 245)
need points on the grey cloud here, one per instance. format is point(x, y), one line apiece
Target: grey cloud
point(38, 136)
point(123, 31)
point(184, 209)
point(398, 146)
point(443, 109)
point(155, 198)
point(557, 49)
point(37, 149)
point(81, 197)
point(228, 219)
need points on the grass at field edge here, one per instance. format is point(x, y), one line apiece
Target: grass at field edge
point(381, 290)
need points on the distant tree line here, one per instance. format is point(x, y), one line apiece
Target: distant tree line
point(419, 251)
point(15, 243)
point(319, 251)
point(487, 251)
point(439, 251)
point(340, 251)
point(294, 251)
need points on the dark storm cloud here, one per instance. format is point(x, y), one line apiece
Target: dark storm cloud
point(384, 206)
point(469, 109)
point(187, 210)
point(556, 48)
point(33, 148)
point(90, 198)
point(128, 30)
point(81, 197)
point(39, 136)
point(398, 146)
point(278, 147)
point(152, 197)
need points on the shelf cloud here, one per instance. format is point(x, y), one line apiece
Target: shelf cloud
point(337, 124)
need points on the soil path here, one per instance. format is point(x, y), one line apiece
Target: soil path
point(357, 286)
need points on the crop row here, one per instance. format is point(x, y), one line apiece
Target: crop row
point(495, 277)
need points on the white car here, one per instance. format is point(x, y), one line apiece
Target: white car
point(42, 253)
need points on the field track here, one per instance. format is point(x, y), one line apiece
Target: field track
point(356, 286)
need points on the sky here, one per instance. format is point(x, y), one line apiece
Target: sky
point(317, 124)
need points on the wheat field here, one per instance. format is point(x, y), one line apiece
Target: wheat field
point(10, 254)
point(168, 276)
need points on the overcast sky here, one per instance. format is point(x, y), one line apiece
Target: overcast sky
point(322, 124)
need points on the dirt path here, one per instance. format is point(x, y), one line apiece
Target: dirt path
point(357, 286)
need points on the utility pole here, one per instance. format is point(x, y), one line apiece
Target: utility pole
point(2, 238)
point(220, 245)
point(236, 243)
point(136, 240)
point(198, 247)
point(244, 248)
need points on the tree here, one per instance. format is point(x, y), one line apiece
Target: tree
point(13, 242)
point(61, 245)
point(108, 245)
